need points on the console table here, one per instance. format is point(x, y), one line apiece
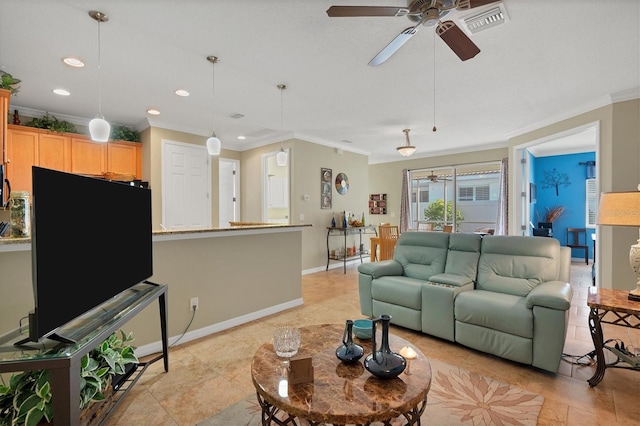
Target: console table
point(344, 232)
point(339, 393)
point(611, 307)
point(88, 331)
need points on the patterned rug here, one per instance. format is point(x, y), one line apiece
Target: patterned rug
point(457, 396)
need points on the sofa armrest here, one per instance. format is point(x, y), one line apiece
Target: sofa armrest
point(381, 269)
point(551, 294)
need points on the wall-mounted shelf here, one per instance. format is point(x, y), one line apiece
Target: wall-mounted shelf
point(377, 203)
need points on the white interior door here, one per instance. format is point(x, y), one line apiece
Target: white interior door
point(186, 186)
point(229, 195)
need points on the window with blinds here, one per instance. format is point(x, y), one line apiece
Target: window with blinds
point(591, 207)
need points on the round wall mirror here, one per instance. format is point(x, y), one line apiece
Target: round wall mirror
point(342, 183)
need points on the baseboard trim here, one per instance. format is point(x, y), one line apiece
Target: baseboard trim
point(156, 347)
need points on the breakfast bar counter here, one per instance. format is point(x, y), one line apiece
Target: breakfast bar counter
point(237, 274)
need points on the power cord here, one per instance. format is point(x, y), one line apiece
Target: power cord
point(578, 359)
point(185, 330)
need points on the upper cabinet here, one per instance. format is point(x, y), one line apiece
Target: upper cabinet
point(69, 152)
point(88, 157)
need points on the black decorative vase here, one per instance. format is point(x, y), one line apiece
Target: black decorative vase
point(383, 363)
point(349, 352)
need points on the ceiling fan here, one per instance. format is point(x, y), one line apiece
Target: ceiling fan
point(435, 178)
point(424, 12)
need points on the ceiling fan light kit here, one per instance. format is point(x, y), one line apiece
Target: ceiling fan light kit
point(407, 149)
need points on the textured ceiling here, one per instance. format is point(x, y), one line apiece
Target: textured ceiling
point(551, 60)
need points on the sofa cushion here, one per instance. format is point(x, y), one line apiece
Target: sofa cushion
point(422, 254)
point(516, 264)
point(502, 312)
point(401, 291)
point(463, 255)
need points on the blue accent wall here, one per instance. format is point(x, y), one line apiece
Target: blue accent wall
point(571, 196)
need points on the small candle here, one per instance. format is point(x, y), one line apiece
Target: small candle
point(408, 352)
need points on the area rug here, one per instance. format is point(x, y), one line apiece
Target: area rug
point(457, 396)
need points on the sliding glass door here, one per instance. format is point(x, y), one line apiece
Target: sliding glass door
point(464, 198)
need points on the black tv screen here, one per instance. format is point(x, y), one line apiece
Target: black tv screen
point(91, 239)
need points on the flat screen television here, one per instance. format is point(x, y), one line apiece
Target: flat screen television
point(91, 240)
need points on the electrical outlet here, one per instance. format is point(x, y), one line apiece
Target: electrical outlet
point(193, 304)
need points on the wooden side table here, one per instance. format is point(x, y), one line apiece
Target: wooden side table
point(339, 394)
point(611, 307)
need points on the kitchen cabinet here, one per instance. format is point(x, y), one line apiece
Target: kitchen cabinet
point(22, 153)
point(125, 157)
point(69, 152)
point(88, 157)
point(5, 96)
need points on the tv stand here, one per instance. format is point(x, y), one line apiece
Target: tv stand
point(89, 331)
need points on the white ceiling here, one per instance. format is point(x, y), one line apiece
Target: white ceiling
point(551, 60)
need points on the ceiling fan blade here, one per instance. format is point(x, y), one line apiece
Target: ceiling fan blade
point(457, 40)
point(341, 11)
point(470, 4)
point(392, 47)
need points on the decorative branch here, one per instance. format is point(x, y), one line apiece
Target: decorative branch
point(553, 179)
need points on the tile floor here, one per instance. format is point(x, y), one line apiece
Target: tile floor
point(212, 373)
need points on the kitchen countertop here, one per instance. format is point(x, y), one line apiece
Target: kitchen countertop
point(21, 244)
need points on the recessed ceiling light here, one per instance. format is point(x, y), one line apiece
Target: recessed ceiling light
point(73, 62)
point(242, 137)
point(153, 111)
point(61, 92)
point(181, 92)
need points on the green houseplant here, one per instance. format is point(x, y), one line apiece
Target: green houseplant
point(123, 133)
point(50, 122)
point(26, 399)
point(8, 82)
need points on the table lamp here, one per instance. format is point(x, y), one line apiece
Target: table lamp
point(623, 209)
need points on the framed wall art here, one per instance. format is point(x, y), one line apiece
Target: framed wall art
point(325, 188)
point(342, 183)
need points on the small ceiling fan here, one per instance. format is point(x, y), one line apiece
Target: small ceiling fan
point(424, 12)
point(435, 178)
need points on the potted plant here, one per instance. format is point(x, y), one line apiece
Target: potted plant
point(26, 399)
point(8, 82)
point(123, 133)
point(50, 122)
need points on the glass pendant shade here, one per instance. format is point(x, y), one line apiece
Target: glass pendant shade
point(281, 157)
point(213, 145)
point(99, 129)
point(407, 149)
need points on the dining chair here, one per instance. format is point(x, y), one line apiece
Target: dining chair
point(425, 226)
point(375, 242)
point(388, 235)
point(577, 239)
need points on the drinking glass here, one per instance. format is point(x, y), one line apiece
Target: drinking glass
point(286, 341)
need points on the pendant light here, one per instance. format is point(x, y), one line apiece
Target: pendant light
point(281, 157)
point(407, 149)
point(213, 143)
point(99, 128)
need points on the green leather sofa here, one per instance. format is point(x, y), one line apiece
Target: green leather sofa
point(504, 295)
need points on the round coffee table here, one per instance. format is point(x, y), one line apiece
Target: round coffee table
point(339, 394)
